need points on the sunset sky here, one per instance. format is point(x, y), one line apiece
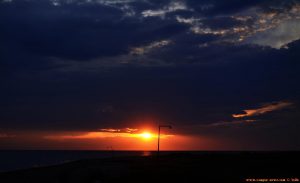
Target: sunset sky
point(102, 74)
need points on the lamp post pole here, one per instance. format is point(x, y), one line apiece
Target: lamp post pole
point(158, 136)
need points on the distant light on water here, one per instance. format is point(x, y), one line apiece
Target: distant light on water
point(147, 153)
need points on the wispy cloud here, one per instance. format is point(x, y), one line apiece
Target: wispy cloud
point(88, 135)
point(240, 118)
point(123, 130)
point(274, 27)
point(263, 109)
point(191, 20)
point(104, 133)
point(172, 7)
point(102, 2)
point(229, 123)
point(280, 36)
point(221, 124)
point(147, 48)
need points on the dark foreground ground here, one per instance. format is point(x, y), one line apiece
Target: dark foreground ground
point(179, 167)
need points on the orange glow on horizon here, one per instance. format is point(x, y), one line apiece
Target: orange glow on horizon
point(96, 135)
point(146, 135)
point(143, 139)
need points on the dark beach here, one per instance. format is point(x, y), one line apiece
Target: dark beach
point(175, 167)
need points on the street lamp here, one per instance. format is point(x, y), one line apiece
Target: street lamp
point(158, 137)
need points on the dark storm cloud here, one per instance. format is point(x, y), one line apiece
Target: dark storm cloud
point(75, 31)
point(182, 95)
point(84, 30)
point(86, 65)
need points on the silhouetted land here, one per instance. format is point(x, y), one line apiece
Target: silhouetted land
point(177, 167)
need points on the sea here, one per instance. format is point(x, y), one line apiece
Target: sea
point(11, 160)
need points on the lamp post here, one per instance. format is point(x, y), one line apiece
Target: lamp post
point(158, 137)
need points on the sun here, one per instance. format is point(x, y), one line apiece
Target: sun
point(146, 135)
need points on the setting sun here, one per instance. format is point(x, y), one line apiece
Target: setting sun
point(146, 135)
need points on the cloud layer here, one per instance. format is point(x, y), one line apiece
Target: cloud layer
point(264, 109)
point(83, 65)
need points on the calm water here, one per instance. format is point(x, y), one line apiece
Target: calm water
point(14, 160)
